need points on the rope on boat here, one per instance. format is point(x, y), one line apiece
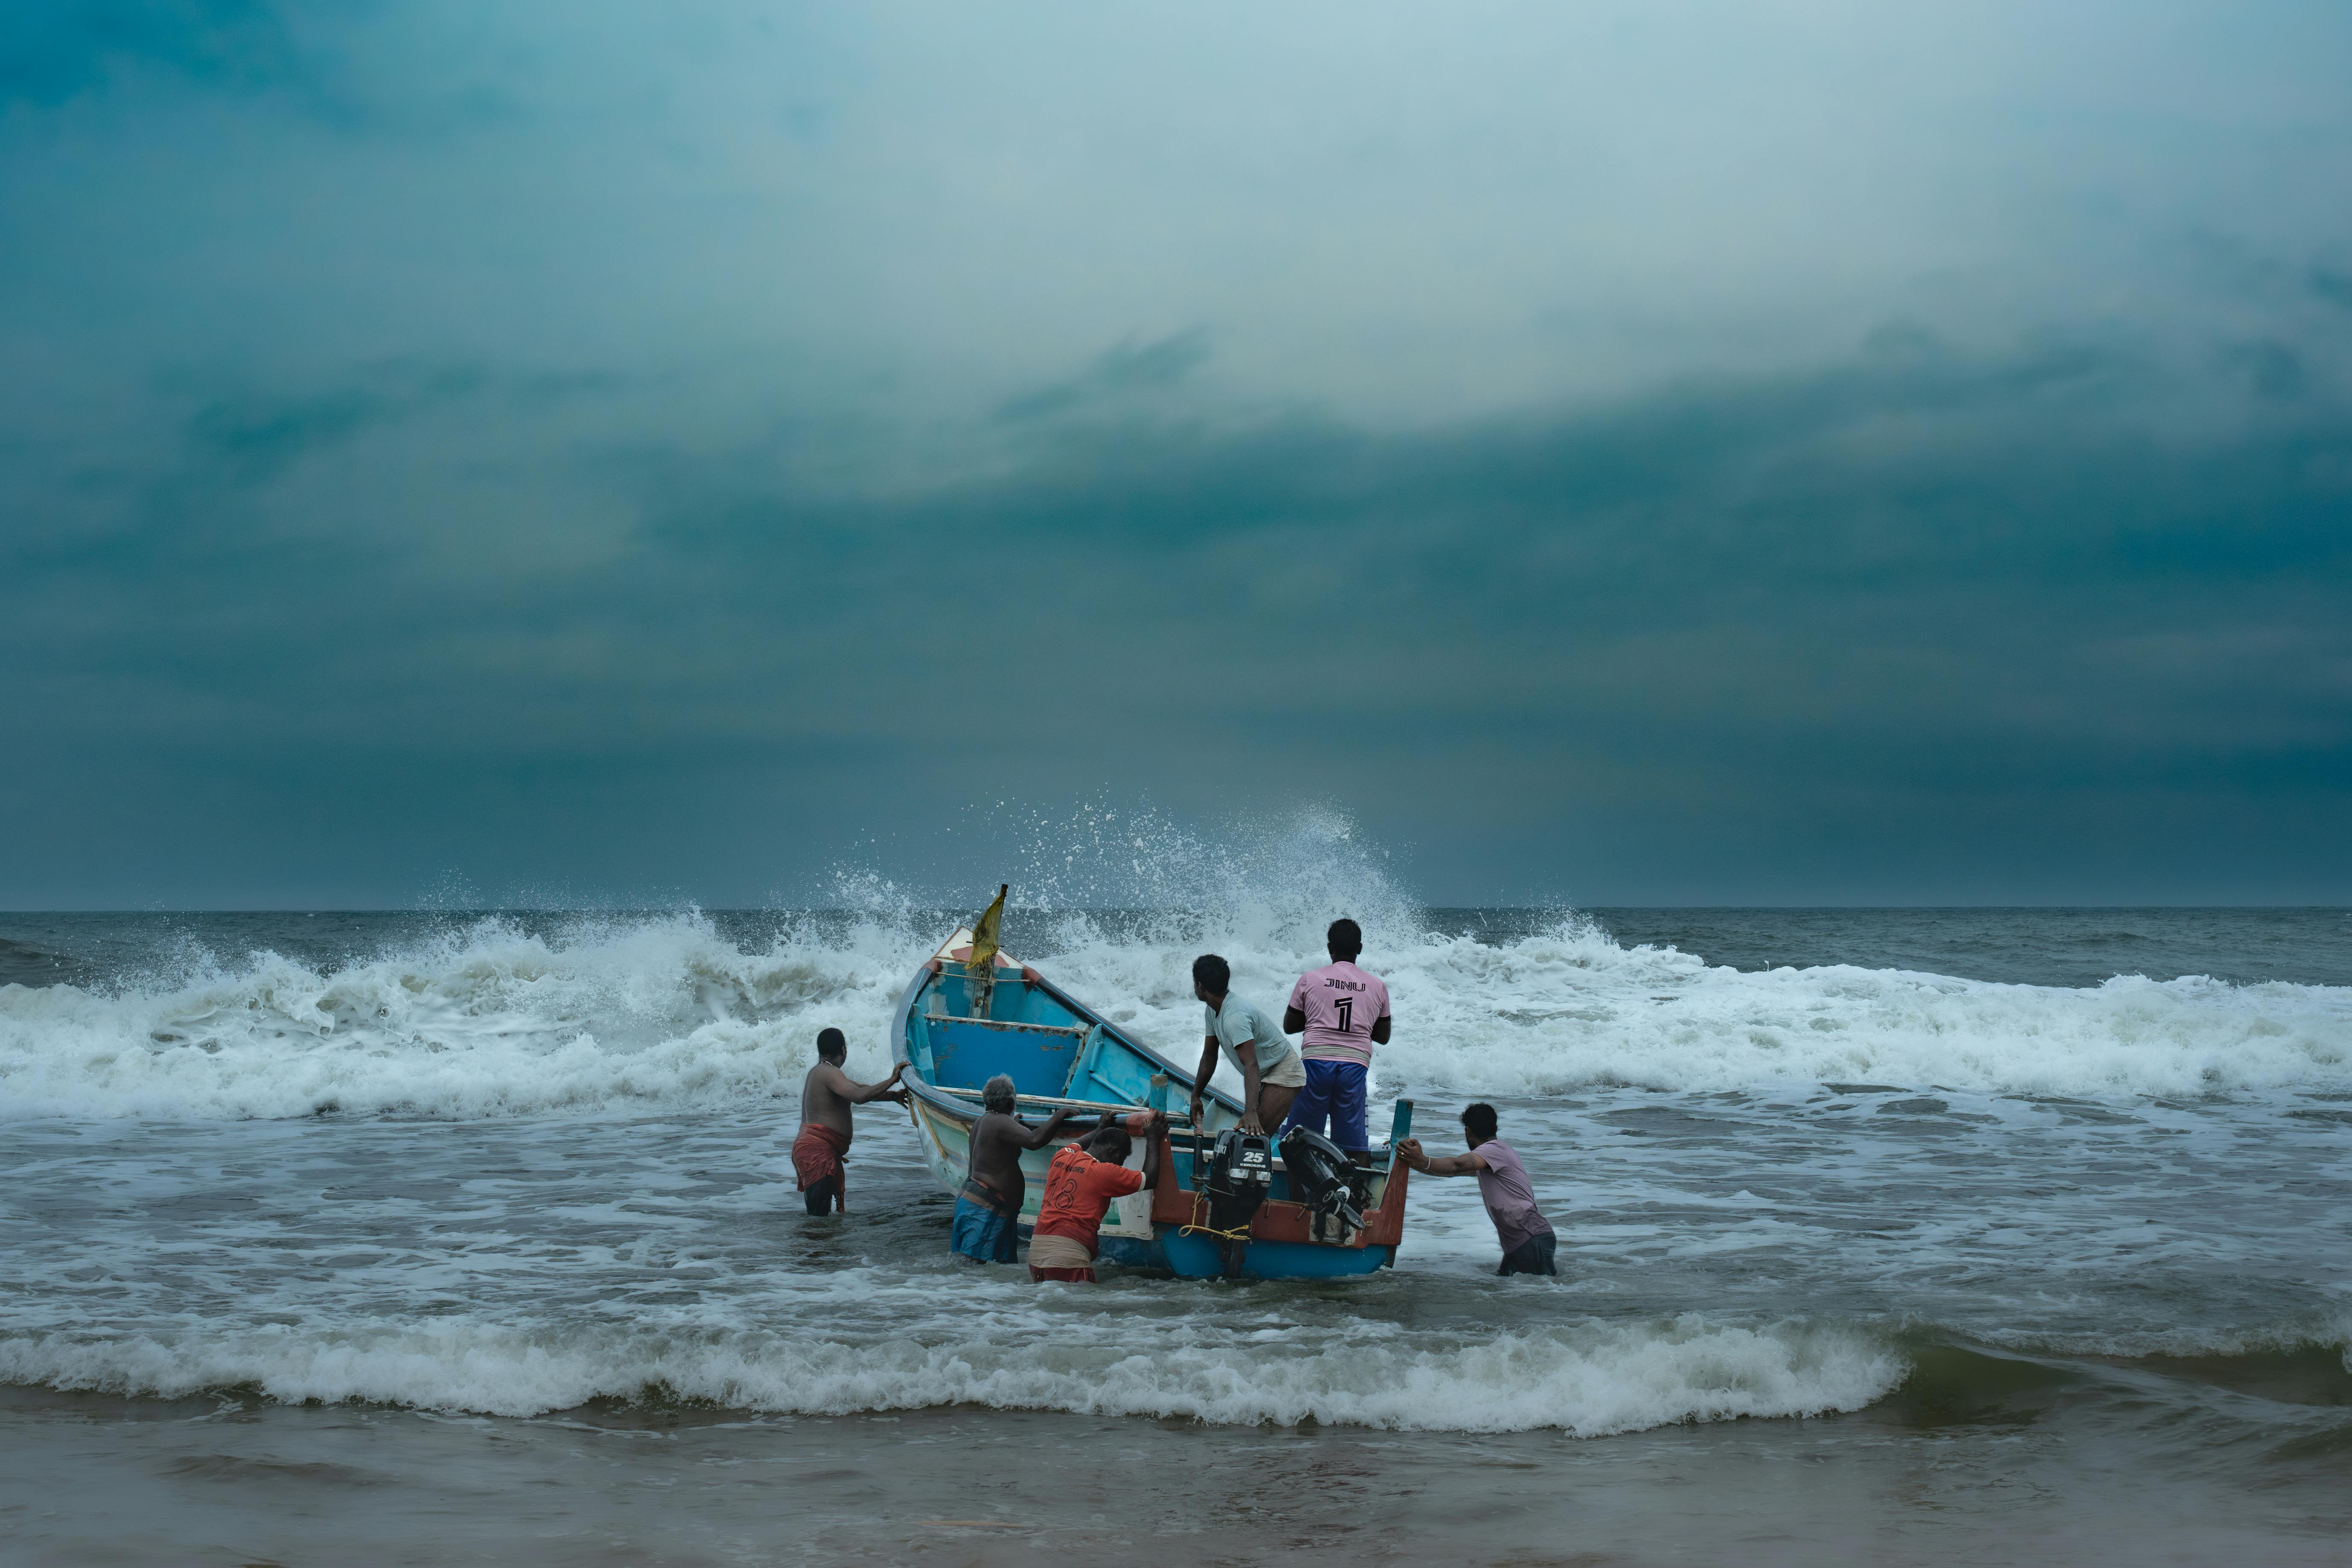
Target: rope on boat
point(1241, 1234)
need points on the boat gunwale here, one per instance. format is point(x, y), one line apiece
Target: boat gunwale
point(942, 1100)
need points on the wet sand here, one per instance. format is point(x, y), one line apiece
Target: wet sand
point(101, 1480)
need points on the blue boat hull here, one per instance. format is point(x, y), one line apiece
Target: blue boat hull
point(1197, 1258)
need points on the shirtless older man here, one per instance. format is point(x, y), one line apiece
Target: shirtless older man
point(826, 1095)
point(988, 1208)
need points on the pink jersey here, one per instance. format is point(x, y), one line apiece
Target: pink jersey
point(1341, 1002)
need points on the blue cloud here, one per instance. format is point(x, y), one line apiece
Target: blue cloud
point(1128, 368)
point(54, 50)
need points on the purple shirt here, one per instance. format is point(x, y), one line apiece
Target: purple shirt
point(1510, 1197)
point(1341, 1004)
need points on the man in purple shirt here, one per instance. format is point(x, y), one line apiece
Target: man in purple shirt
point(1527, 1236)
point(1344, 1012)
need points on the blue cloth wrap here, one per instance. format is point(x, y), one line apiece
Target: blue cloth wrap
point(982, 1234)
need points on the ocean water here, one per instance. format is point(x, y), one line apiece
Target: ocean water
point(1901, 1235)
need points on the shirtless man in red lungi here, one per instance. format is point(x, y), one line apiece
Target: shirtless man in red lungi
point(827, 1096)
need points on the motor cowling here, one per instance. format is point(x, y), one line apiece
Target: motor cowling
point(1240, 1174)
point(1332, 1186)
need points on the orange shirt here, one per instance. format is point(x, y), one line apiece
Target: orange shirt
point(1078, 1188)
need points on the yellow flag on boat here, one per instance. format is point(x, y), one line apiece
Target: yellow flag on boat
point(984, 935)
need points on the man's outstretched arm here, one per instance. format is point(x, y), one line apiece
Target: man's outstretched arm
point(1038, 1137)
point(857, 1093)
point(1409, 1151)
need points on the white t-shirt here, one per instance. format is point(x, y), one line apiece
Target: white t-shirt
point(1242, 1024)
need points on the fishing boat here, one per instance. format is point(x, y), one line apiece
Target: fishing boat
point(1227, 1205)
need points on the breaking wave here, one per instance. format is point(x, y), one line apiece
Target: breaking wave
point(1588, 1379)
point(489, 1017)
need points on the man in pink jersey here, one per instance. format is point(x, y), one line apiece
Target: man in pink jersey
point(1345, 1013)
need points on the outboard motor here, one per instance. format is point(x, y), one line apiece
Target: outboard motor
point(1332, 1185)
point(1240, 1173)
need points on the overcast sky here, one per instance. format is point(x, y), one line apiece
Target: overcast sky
point(1641, 453)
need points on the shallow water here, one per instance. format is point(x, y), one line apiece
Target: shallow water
point(439, 1235)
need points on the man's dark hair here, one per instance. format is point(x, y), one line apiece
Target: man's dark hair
point(998, 1094)
point(1111, 1144)
point(1210, 973)
point(831, 1044)
point(1345, 939)
point(1479, 1120)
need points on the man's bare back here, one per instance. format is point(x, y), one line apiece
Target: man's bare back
point(827, 1093)
point(997, 1141)
point(825, 1098)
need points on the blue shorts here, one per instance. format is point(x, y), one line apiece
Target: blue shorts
point(982, 1234)
point(1334, 1094)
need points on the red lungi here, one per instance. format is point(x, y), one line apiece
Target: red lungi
point(817, 1154)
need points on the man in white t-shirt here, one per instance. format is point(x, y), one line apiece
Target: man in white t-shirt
point(1343, 1012)
point(1271, 1074)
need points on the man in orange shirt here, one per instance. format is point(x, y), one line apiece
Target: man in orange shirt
point(1079, 1186)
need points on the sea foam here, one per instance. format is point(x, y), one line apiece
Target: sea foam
point(662, 1012)
point(1586, 1378)
point(487, 1019)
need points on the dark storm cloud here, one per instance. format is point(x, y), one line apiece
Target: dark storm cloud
point(1942, 473)
point(52, 52)
point(1919, 576)
point(1126, 368)
point(653, 450)
point(253, 436)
